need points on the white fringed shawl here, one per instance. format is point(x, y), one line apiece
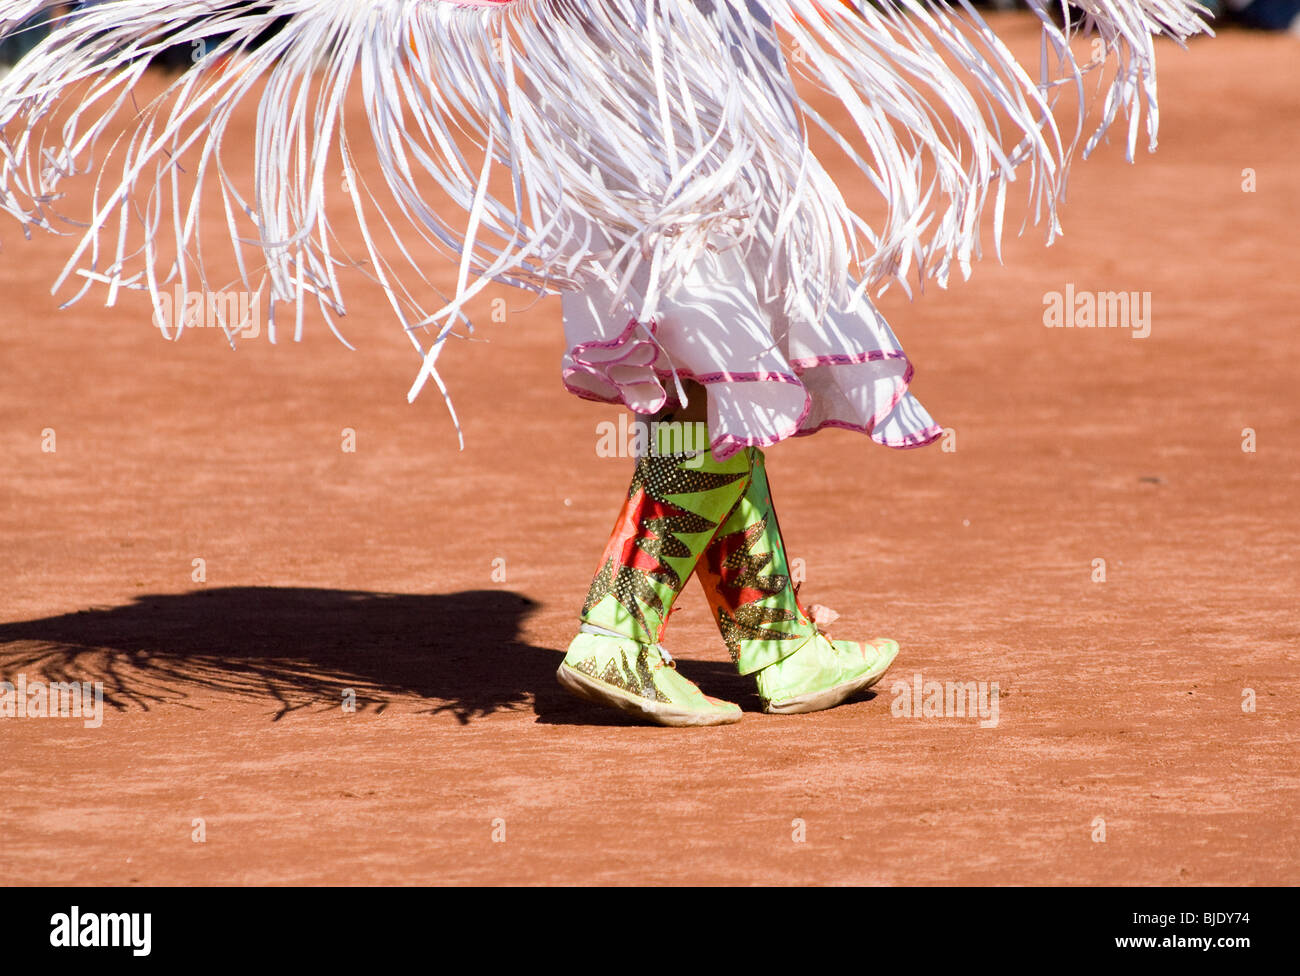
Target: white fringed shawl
point(670, 124)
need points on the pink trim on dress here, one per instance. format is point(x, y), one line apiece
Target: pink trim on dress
point(646, 393)
point(641, 392)
point(846, 359)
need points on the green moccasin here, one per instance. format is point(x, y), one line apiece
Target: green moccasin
point(640, 679)
point(822, 673)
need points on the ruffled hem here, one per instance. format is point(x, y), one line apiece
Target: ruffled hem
point(625, 370)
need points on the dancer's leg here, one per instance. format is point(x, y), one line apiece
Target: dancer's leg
point(673, 507)
point(746, 578)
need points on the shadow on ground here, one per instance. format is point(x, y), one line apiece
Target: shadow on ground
point(300, 648)
point(295, 647)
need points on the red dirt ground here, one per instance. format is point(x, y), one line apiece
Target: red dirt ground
point(374, 570)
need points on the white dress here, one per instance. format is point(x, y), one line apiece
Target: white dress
point(769, 374)
point(659, 162)
point(768, 377)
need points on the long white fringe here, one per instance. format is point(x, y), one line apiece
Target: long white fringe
point(671, 125)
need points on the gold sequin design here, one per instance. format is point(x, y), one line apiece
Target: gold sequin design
point(663, 476)
point(743, 567)
point(748, 624)
point(741, 584)
point(658, 531)
point(638, 679)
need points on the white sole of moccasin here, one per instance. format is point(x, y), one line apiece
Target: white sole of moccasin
point(878, 672)
point(592, 690)
point(817, 700)
point(820, 700)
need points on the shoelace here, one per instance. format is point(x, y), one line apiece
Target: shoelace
point(587, 628)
